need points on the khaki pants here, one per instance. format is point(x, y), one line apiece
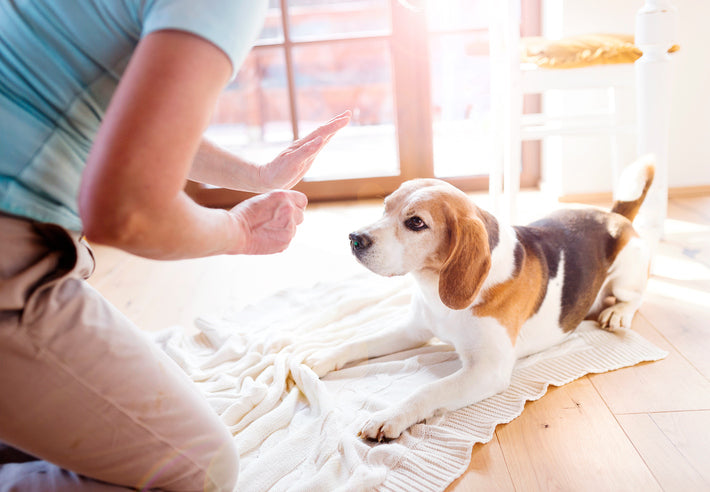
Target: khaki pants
point(82, 389)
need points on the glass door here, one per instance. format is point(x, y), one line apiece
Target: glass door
point(413, 72)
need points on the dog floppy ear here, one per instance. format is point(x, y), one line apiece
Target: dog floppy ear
point(468, 262)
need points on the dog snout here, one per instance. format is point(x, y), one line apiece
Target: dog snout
point(359, 242)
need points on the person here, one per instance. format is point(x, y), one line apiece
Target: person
point(103, 105)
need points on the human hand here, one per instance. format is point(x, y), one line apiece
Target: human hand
point(289, 167)
point(268, 221)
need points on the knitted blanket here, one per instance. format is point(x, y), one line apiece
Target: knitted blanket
point(297, 432)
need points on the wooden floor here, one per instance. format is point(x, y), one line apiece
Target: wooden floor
point(636, 429)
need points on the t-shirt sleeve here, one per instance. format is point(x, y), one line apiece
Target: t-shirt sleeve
point(231, 25)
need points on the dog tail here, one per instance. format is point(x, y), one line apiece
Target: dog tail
point(633, 185)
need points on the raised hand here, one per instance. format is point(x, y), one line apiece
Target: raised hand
point(289, 167)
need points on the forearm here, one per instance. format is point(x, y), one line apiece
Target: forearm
point(177, 230)
point(218, 167)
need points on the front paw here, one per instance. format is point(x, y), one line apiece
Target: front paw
point(617, 317)
point(385, 424)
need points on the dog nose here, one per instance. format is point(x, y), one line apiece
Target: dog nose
point(359, 242)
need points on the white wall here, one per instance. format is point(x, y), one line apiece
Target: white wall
point(577, 165)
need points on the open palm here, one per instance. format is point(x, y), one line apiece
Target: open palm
point(289, 167)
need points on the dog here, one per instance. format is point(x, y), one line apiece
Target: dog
point(496, 293)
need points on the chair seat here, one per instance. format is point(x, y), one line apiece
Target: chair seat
point(579, 51)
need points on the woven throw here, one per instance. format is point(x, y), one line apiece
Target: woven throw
point(296, 432)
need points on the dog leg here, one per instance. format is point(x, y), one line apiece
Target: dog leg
point(465, 387)
point(402, 337)
point(627, 283)
point(486, 371)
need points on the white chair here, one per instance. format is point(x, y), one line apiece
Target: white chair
point(567, 111)
point(650, 76)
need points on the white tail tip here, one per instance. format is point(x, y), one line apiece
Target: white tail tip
point(634, 177)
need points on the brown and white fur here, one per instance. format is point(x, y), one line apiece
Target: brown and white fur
point(495, 293)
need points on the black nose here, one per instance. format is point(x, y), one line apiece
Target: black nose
point(359, 242)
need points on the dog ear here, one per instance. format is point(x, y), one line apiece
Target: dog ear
point(468, 262)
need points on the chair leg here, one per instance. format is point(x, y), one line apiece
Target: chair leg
point(655, 33)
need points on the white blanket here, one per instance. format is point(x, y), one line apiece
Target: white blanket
point(298, 432)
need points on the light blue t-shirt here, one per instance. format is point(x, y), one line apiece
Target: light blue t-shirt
point(61, 61)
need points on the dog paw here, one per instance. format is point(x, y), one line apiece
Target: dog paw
point(383, 425)
point(616, 317)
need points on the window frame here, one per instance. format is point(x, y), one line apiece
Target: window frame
point(411, 79)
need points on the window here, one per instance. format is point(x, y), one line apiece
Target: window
point(414, 73)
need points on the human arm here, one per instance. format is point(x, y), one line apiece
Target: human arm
point(216, 166)
point(131, 191)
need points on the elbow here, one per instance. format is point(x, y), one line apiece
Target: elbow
point(111, 224)
point(97, 231)
point(106, 229)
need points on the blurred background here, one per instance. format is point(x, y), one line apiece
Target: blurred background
point(417, 76)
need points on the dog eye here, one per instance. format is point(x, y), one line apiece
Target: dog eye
point(415, 223)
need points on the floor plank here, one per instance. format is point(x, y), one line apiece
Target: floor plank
point(670, 384)
point(698, 205)
point(674, 446)
point(486, 472)
point(678, 297)
point(568, 440)
point(686, 325)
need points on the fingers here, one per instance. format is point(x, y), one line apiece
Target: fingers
point(306, 147)
point(328, 129)
point(291, 165)
point(336, 122)
point(289, 206)
point(277, 233)
point(309, 146)
point(271, 221)
point(301, 159)
point(321, 134)
point(296, 197)
point(287, 217)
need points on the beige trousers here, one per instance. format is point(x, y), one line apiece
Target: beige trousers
point(83, 390)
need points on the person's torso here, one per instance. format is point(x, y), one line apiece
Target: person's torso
point(60, 62)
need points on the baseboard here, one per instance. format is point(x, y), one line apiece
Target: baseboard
point(600, 197)
point(675, 192)
point(689, 191)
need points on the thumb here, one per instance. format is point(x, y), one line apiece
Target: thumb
point(299, 199)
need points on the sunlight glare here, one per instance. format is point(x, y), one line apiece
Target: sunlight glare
point(700, 298)
point(679, 268)
point(674, 226)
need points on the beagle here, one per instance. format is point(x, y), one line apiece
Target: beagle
point(496, 293)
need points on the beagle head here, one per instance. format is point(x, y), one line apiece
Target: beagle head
point(429, 225)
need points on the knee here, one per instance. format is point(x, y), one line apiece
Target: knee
point(204, 464)
point(222, 471)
